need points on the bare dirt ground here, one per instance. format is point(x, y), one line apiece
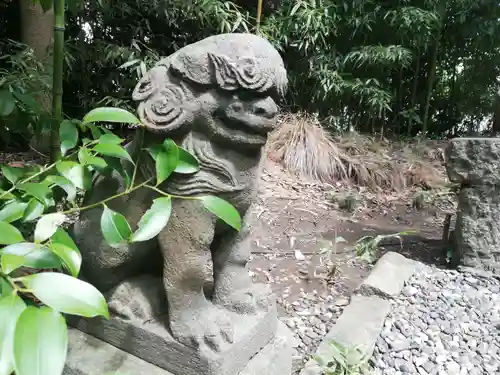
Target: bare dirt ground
point(296, 220)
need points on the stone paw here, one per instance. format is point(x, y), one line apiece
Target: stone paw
point(204, 328)
point(250, 300)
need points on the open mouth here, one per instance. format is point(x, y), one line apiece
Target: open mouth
point(240, 131)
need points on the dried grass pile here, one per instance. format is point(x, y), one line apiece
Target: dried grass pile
point(304, 147)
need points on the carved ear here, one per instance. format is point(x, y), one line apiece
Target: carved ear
point(168, 109)
point(224, 71)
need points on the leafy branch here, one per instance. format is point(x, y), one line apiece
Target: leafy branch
point(39, 269)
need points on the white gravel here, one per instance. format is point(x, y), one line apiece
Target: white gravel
point(444, 323)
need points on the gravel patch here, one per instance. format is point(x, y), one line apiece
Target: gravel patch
point(445, 323)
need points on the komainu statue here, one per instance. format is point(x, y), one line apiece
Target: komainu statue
point(216, 98)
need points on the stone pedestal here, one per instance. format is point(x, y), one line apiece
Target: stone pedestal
point(89, 355)
point(475, 164)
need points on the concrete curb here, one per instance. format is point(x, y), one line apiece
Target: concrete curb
point(363, 319)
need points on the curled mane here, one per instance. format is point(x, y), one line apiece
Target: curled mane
point(216, 174)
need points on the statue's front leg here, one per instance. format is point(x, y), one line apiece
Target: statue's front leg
point(233, 286)
point(185, 245)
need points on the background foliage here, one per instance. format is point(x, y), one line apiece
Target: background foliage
point(396, 66)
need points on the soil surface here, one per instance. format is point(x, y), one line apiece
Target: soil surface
point(296, 232)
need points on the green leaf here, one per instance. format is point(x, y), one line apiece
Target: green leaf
point(37, 190)
point(86, 158)
point(67, 294)
point(154, 220)
point(71, 259)
point(13, 211)
point(13, 174)
point(63, 238)
point(116, 164)
point(110, 114)
point(11, 307)
point(48, 225)
point(5, 288)
point(68, 134)
point(110, 139)
point(115, 228)
point(34, 210)
point(114, 150)
point(46, 5)
point(187, 163)
point(10, 262)
point(40, 342)
point(76, 173)
point(7, 103)
point(222, 209)
point(9, 234)
point(35, 255)
point(96, 132)
point(166, 161)
point(6, 196)
point(64, 184)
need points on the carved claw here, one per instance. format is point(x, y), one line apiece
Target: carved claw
point(205, 328)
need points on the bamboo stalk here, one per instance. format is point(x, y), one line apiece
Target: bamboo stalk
point(259, 15)
point(57, 80)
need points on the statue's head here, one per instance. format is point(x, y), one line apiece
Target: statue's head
point(226, 86)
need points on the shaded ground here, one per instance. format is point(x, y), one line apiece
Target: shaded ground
point(295, 220)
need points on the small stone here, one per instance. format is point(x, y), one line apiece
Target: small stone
point(453, 368)
point(410, 291)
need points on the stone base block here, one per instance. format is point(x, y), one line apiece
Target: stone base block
point(152, 342)
point(91, 356)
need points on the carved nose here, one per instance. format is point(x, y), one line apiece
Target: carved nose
point(265, 108)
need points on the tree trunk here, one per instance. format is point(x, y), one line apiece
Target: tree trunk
point(430, 82)
point(36, 32)
point(413, 99)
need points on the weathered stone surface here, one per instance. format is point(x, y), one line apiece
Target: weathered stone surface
point(147, 337)
point(88, 355)
point(475, 163)
point(389, 275)
point(473, 160)
point(477, 229)
point(91, 356)
point(358, 326)
point(216, 98)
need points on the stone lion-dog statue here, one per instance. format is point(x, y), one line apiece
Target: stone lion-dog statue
point(216, 98)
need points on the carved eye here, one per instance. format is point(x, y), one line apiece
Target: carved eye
point(237, 107)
